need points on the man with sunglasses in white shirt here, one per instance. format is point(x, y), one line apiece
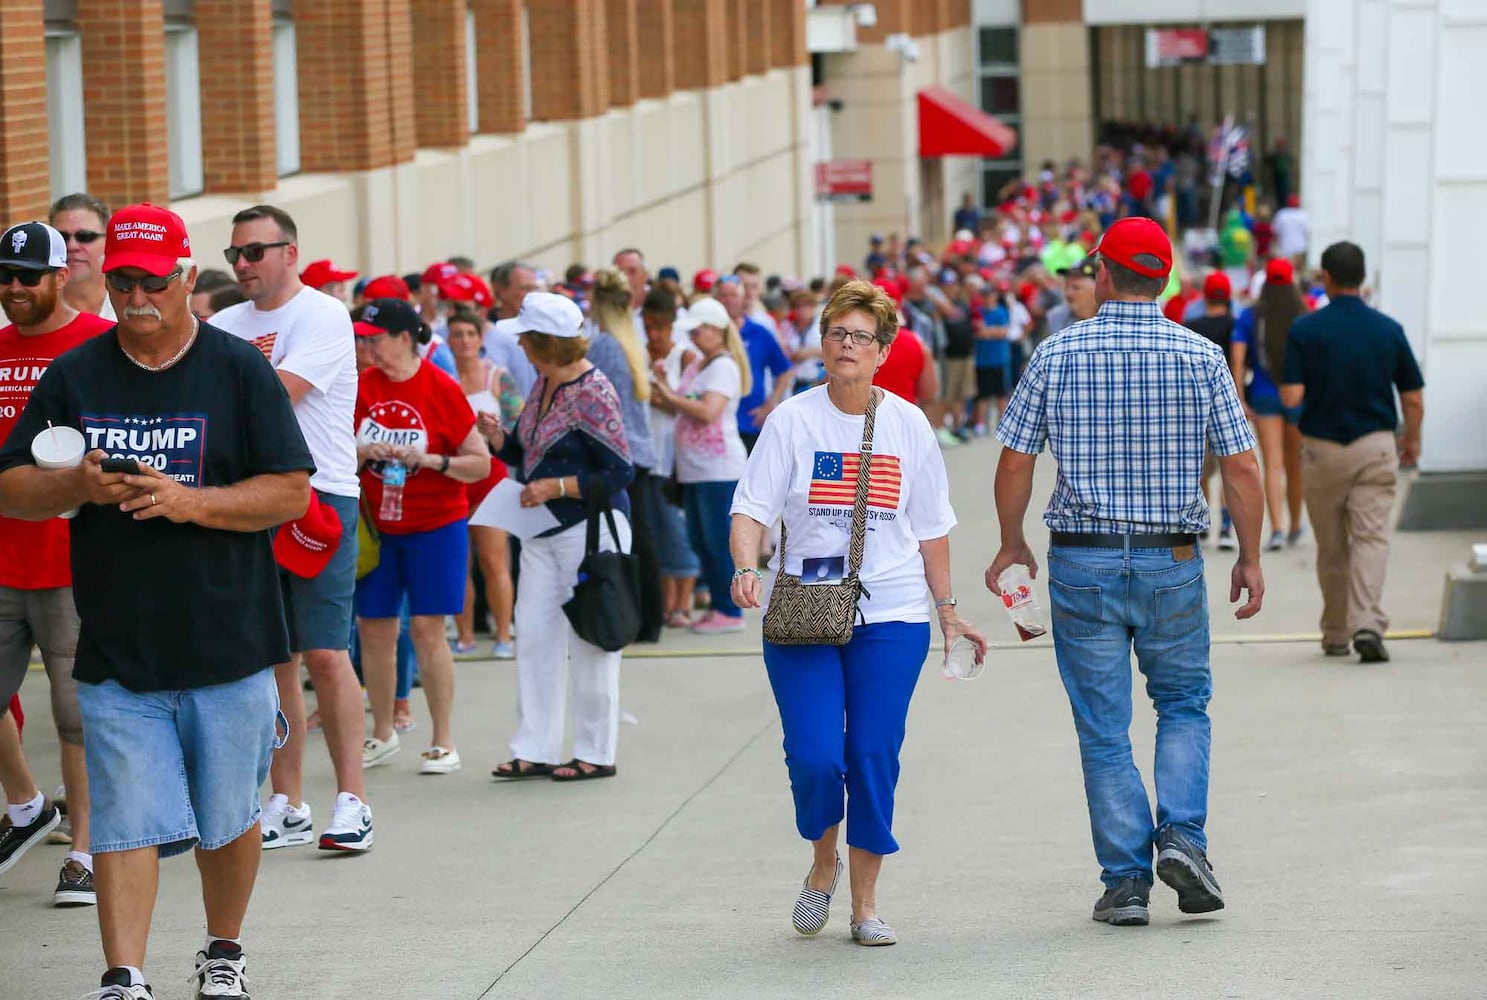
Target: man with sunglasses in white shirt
point(82, 220)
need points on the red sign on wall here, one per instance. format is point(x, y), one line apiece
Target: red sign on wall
point(844, 180)
point(1173, 46)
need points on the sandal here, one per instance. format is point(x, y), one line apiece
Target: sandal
point(678, 619)
point(517, 769)
point(579, 774)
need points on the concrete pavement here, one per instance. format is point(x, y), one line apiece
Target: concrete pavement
point(1347, 811)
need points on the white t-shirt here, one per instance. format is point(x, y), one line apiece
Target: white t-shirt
point(663, 424)
point(711, 453)
point(310, 336)
point(804, 469)
point(1292, 231)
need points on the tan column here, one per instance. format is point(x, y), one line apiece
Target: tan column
point(1057, 119)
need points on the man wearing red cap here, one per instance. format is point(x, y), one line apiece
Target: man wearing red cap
point(183, 620)
point(324, 276)
point(1127, 402)
point(306, 335)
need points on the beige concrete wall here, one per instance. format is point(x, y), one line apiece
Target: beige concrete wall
point(698, 179)
point(1056, 116)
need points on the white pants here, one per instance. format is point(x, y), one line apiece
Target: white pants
point(547, 648)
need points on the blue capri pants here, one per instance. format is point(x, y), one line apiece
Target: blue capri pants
point(843, 709)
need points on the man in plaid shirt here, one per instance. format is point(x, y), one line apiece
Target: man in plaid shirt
point(1127, 402)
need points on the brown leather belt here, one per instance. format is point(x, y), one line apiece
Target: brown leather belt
point(1090, 541)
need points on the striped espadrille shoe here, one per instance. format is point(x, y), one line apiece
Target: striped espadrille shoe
point(873, 933)
point(812, 906)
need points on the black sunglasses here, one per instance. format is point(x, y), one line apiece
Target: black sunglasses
point(83, 236)
point(24, 275)
point(152, 284)
point(252, 251)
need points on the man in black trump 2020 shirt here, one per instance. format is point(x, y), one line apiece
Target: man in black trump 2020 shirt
point(176, 586)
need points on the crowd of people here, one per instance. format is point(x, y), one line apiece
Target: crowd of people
point(314, 514)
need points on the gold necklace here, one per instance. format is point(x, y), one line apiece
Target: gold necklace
point(195, 329)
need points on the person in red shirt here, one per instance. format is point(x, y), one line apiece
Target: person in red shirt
point(908, 372)
point(1177, 305)
point(418, 449)
point(36, 606)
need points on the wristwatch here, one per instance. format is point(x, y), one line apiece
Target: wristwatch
point(948, 602)
point(444, 464)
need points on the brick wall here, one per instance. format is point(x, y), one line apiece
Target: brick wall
point(567, 80)
point(238, 134)
point(123, 48)
point(24, 180)
point(500, 72)
point(441, 111)
point(656, 47)
point(700, 29)
point(757, 17)
point(787, 33)
point(622, 30)
point(893, 17)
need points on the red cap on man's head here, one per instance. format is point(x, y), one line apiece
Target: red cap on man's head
point(305, 547)
point(1216, 287)
point(436, 274)
point(467, 288)
point(1136, 237)
point(389, 286)
point(320, 273)
point(145, 236)
point(1280, 271)
point(1294, 201)
point(890, 287)
point(705, 279)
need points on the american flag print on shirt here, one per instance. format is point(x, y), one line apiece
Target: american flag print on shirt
point(834, 480)
point(266, 344)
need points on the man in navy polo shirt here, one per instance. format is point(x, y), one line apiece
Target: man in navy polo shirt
point(771, 366)
point(1343, 364)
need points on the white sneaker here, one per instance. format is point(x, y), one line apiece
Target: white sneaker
point(440, 760)
point(117, 992)
point(221, 972)
point(375, 751)
point(350, 826)
point(285, 826)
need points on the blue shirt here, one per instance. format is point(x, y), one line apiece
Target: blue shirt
point(765, 356)
point(1261, 384)
point(608, 356)
point(1127, 401)
point(1351, 358)
point(442, 358)
point(994, 353)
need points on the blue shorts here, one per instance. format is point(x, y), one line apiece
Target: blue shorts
point(319, 609)
point(673, 550)
point(1265, 404)
point(174, 768)
point(428, 567)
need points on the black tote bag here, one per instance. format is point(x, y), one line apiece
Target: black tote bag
point(605, 607)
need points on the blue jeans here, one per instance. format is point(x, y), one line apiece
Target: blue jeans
point(1105, 601)
point(407, 661)
point(708, 524)
point(673, 548)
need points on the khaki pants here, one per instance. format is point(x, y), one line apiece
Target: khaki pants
point(1350, 499)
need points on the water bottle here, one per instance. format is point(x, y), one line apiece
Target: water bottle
point(1016, 585)
point(394, 477)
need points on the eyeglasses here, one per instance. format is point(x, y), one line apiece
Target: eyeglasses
point(253, 251)
point(838, 334)
point(82, 236)
point(152, 284)
point(25, 276)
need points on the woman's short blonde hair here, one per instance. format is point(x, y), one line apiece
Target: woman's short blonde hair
point(557, 351)
point(863, 296)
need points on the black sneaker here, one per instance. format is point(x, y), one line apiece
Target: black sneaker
point(17, 840)
point(1125, 905)
point(1186, 869)
point(115, 986)
point(1369, 646)
point(221, 973)
point(75, 886)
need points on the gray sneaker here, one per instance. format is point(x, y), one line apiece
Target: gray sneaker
point(1186, 869)
point(1126, 904)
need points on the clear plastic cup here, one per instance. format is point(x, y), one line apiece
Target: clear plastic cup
point(961, 661)
point(1016, 585)
point(59, 448)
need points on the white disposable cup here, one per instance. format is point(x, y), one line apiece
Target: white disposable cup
point(961, 662)
point(59, 448)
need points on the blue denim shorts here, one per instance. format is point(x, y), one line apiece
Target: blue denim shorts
point(1265, 404)
point(319, 609)
point(673, 550)
point(176, 768)
point(429, 568)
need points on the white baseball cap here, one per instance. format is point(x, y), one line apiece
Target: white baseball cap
point(545, 312)
point(704, 312)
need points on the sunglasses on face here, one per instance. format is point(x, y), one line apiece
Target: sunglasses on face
point(152, 284)
point(82, 236)
point(838, 334)
point(252, 252)
point(25, 276)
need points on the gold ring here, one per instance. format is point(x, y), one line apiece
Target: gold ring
point(152, 499)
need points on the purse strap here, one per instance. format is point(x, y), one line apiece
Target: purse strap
point(859, 504)
point(600, 505)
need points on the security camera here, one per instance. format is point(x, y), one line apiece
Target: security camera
point(911, 51)
point(865, 14)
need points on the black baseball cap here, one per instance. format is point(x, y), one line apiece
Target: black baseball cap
point(391, 316)
point(33, 246)
point(1085, 268)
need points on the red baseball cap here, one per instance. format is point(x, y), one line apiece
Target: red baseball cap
point(1280, 271)
point(705, 279)
point(467, 288)
point(389, 286)
point(1136, 236)
point(1216, 287)
point(890, 287)
point(305, 547)
point(1294, 201)
point(145, 236)
point(845, 271)
point(320, 273)
point(436, 274)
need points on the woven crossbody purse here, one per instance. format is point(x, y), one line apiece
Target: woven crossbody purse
point(824, 614)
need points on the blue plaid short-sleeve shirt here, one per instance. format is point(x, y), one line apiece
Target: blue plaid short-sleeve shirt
point(1127, 401)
